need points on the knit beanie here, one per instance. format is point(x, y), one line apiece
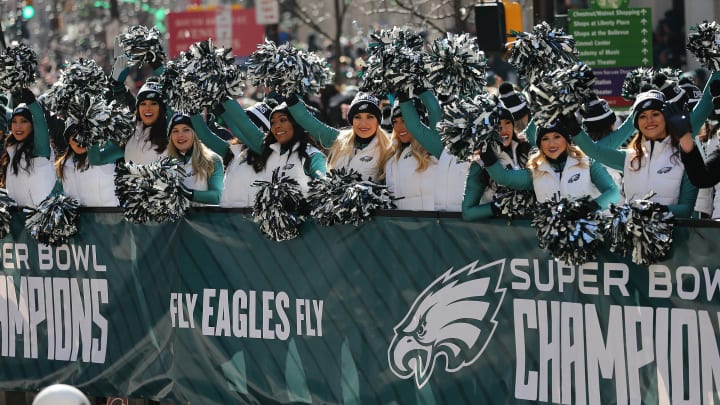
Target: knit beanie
point(513, 100)
point(150, 91)
point(259, 114)
point(597, 115)
point(419, 107)
point(364, 102)
point(554, 126)
point(23, 110)
point(179, 118)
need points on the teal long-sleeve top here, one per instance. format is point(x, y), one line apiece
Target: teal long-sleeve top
point(41, 139)
point(248, 133)
point(427, 136)
point(615, 159)
point(214, 182)
point(475, 186)
point(522, 180)
point(316, 128)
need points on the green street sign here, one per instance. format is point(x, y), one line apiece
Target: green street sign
point(613, 37)
point(609, 3)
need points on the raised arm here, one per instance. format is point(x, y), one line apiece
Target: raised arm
point(208, 137)
point(246, 131)
point(610, 157)
point(704, 107)
point(40, 129)
point(432, 106)
point(316, 128)
point(428, 138)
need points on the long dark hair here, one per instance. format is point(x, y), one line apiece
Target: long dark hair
point(158, 130)
point(258, 161)
point(24, 151)
point(81, 161)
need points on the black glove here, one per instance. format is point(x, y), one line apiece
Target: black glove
point(495, 209)
point(186, 192)
point(488, 156)
point(570, 123)
point(22, 95)
point(715, 93)
point(583, 211)
point(292, 100)
point(677, 122)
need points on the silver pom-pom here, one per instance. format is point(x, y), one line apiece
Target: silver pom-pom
point(512, 203)
point(635, 80)
point(78, 79)
point(54, 221)
point(469, 125)
point(456, 65)
point(6, 203)
point(142, 45)
point(343, 197)
point(97, 122)
point(568, 229)
point(560, 92)
point(544, 49)
point(394, 63)
point(704, 43)
point(279, 207)
point(287, 70)
point(153, 192)
point(18, 65)
point(642, 228)
point(201, 77)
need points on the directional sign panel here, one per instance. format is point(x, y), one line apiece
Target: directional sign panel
point(612, 42)
point(612, 38)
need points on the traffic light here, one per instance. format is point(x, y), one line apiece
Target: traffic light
point(28, 11)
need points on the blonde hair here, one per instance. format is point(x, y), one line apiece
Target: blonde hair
point(345, 144)
point(202, 157)
point(421, 155)
point(537, 158)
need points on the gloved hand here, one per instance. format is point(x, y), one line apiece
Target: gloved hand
point(584, 211)
point(570, 123)
point(715, 93)
point(186, 192)
point(488, 156)
point(121, 67)
point(292, 100)
point(677, 122)
point(22, 96)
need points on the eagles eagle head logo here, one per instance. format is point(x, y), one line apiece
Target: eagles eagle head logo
point(454, 317)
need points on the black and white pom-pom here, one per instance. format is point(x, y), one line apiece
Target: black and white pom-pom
point(642, 228)
point(201, 77)
point(79, 78)
point(153, 192)
point(512, 203)
point(6, 203)
point(456, 65)
point(279, 207)
point(18, 65)
point(142, 45)
point(560, 92)
point(568, 229)
point(469, 125)
point(395, 62)
point(343, 197)
point(98, 122)
point(54, 221)
point(635, 80)
point(672, 74)
point(704, 43)
point(543, 49)
point(287, 70)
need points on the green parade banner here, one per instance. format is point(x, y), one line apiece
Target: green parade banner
point(411, 310)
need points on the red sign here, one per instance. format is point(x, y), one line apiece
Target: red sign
point(240, 32)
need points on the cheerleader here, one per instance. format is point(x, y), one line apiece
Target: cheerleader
point(149, 142)
point(26, 163)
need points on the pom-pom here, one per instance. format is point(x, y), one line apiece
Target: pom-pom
point(142, 46)
point(343, 197)
point(512, 203)
point(394, 63)
point(18, 64)
point(287, 70)
point(635, 80)
point(96, 122)
point(642, 228)
point(544, 49)
point(469, 125)
point(54, 221)
point(5, 215)
point(560, 92)
point(456, 65)
point(568, 229)
point(704, 43)
point(152, 192)
point(279, 207)
point(78, 79)
point(201, 77)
